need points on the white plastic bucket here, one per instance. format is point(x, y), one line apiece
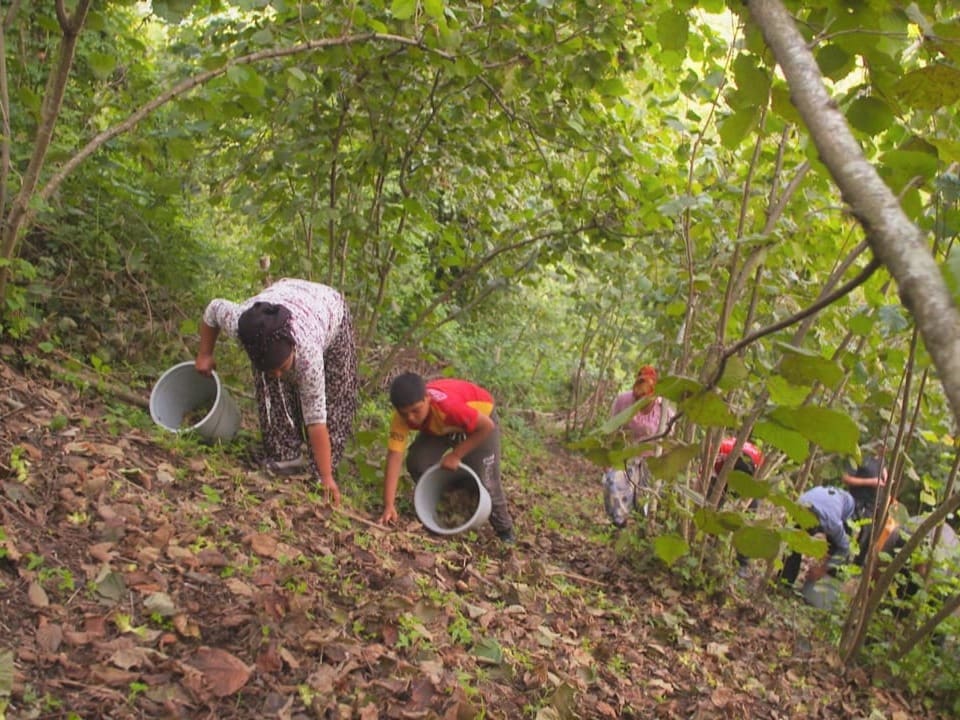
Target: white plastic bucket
point(181, 390)
point(823, 594)
point(438, 485)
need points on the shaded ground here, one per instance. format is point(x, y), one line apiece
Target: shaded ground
point(145, 578)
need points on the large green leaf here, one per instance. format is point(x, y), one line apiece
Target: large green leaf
point(899, 168)
point(709, 410)
point(673, 461)
point(672, 30)
point(870, 115)
point(172, 11)
point(799, 514)
point(793, 444)
point(782, 104)
point(735, 127)
point(753, 83)
point(102, 64)
point(717, 522)
point(832, 430)
point(945, 37)
point(617, 421)
point(403, 9)
point(753, 541)
point(734, 374)
point(930, 87)
point(670, 547)
point(802, 367)
point(835, 62)
point(433, 9)
point(802, 542)
point(677, 388)
point(745, 485)
point(783, 392)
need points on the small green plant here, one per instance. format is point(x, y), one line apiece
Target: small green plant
point(459, 630)
point(19, 464)
point(297, 586)
point(211, 495)
point(101, 366)
point(538, 514)
point(470, 690)
point(201, 543)
point(61, 576)
point(136, 688)
point(618, 666)
point(363, 540)
point(243, 498)
point(412, 633)
point(327, 565)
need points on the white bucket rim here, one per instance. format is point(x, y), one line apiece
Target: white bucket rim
point(176, 369)
point(482, 507)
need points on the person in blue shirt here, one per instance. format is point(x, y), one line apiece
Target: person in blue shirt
point(834, 507)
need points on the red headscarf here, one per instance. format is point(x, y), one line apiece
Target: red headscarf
point(645, 381)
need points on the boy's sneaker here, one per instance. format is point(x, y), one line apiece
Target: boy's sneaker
point(284, 468)
point(507, 537)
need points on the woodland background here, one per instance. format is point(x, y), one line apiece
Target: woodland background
point(759, 198)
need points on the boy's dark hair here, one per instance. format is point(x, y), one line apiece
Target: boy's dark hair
point(407, 389)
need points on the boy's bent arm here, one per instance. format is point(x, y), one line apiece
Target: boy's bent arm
point(391, 478)
point(485, 426)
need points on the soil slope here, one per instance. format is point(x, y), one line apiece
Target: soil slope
point(144, 578)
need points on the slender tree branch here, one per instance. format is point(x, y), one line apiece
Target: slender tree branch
point(894, 239)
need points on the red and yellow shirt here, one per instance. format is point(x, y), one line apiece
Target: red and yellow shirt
point(455, 406)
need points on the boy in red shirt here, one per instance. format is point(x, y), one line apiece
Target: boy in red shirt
point(456, 423)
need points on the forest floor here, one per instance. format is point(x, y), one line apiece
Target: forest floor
point(147, 578)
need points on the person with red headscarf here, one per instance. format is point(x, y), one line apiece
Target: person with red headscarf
point(622, 489)
point(649, 419)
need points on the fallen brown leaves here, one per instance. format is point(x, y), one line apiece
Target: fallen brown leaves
point(139, 582)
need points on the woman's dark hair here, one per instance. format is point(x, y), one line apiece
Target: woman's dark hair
point(266, 333)
point(407, 389)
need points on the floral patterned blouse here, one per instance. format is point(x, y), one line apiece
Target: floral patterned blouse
point(318, 312)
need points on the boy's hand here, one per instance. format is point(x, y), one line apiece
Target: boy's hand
point(450, 461)
point(817, 571)
point(389, 516)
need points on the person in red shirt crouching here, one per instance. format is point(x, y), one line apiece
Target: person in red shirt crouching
point(750, 460)
point(455, 422)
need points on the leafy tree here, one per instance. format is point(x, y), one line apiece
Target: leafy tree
point(546, 193)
